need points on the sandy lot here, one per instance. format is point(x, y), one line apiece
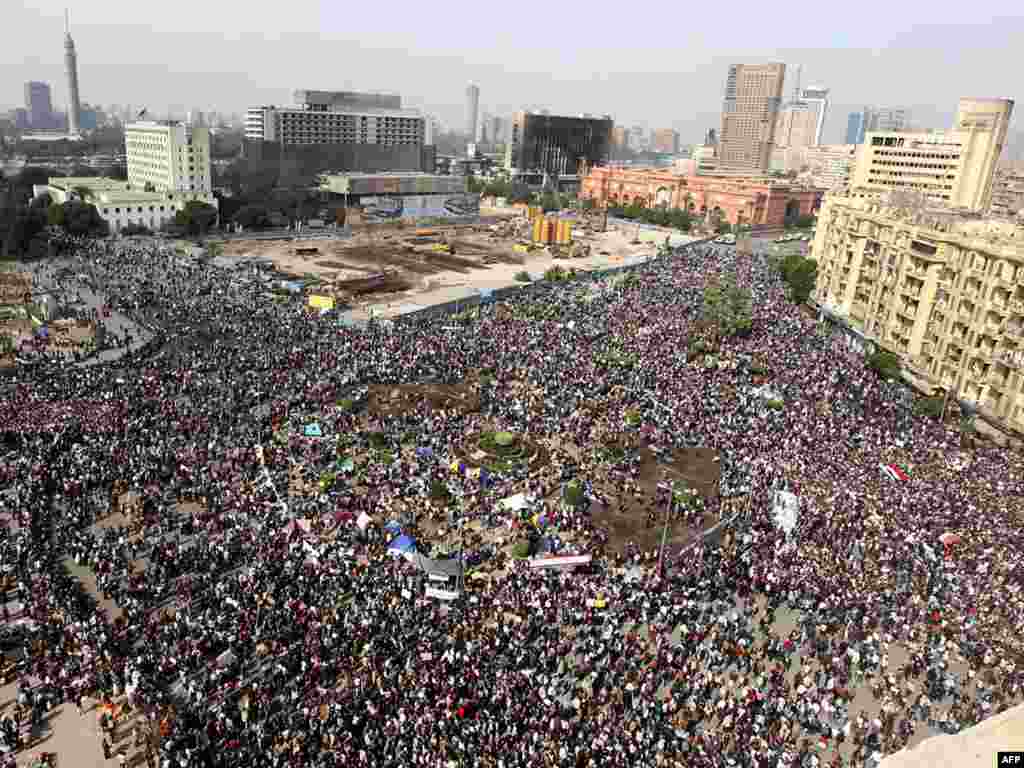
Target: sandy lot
point(482, 260)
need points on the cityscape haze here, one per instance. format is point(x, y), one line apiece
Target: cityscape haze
point(859, 66)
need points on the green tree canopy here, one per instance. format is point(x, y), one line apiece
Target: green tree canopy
point(727, 307)
point(885, 364)
point(196, 218)
point(800, 275)
point(252, 216)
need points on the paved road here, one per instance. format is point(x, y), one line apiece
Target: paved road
point(75, 290)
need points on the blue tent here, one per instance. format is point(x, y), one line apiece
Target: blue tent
point(312, 430)
point(393, 526)
point(401, 545)
point(423, 452)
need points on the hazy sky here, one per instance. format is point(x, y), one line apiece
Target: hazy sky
point(656, 63)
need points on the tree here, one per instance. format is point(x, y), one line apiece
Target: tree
point(252, 216)
point(800, 275)
point(22, 227)
point(196, 217)
point(885, 364)
point(55, 215)
point(82, 219)
point(727, 307)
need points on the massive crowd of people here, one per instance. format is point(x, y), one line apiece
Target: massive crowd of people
point(248, 641)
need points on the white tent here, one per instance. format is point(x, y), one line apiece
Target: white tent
point(515, 503)
point(785, 511)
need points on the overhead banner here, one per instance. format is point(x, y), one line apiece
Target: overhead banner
point(564, 563)
point(441, 594)
point(382, 208)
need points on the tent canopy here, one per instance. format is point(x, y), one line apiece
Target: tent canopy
point(402, 544)
point(514, 503)
point(451, 567)
point(785, 510)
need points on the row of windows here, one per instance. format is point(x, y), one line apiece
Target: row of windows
point(152, 209)
point(919, 155)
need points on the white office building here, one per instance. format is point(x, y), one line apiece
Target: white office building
point(169, 156)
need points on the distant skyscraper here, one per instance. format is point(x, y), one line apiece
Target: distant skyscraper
point(71, 70)
point(855, 127)
point(753, 95)
point(875, 119)
point(816, 98)
point(666, 140)
point(472, 111)
point(38, 104)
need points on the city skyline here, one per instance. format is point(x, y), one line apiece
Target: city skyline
point(228, 71)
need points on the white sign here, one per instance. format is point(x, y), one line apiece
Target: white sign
point(441, 594)
point(438, 577)
point(567, 562)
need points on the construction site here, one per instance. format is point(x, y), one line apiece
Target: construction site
point(393, 268)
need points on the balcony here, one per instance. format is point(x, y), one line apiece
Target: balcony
point(913, 291)
point(1014, 331)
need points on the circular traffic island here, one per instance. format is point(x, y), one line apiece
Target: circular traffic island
point(501, 451)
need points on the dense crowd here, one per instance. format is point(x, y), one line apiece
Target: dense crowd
point(249, 642)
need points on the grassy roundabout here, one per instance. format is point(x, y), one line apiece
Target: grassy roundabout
point(500, 451)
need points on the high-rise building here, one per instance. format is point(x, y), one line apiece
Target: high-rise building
point(955, 167)
point(71, 71)
point(666, 140)
point(557, 145)
point(817, 98)
point(855, 128)
point(875, 119)
point(497, 129)
point(620, 137)
point(889, 119)
point(940, 288)
point(796, 125)
point(171, 156)
point(38, 104)
point(800, 122)
point(638, 140)
point(753, 96)
point(472, 111)
point(338, 117)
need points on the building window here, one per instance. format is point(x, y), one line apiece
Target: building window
point(117, 210)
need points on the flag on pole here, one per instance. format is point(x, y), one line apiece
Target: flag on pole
point(893, 472)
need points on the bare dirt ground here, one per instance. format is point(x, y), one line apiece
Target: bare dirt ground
point(627, 515)
point(482, 259)
point(396, 400)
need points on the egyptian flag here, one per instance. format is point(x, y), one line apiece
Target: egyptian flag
point(893, 472)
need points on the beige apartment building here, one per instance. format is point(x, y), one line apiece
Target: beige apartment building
point(954, 167)
point(943, 289)
point(753, 97)
point(1008, 191)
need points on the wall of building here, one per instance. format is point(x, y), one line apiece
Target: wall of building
point(558, 144)
point(753, 96)
point(753, 201)
point(944, 291)
point(300, 165)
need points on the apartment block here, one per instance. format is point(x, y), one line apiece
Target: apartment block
point(943, 289)
point(753, 97)
point(1008, 192)
point(168, 156)
point(955, 167)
